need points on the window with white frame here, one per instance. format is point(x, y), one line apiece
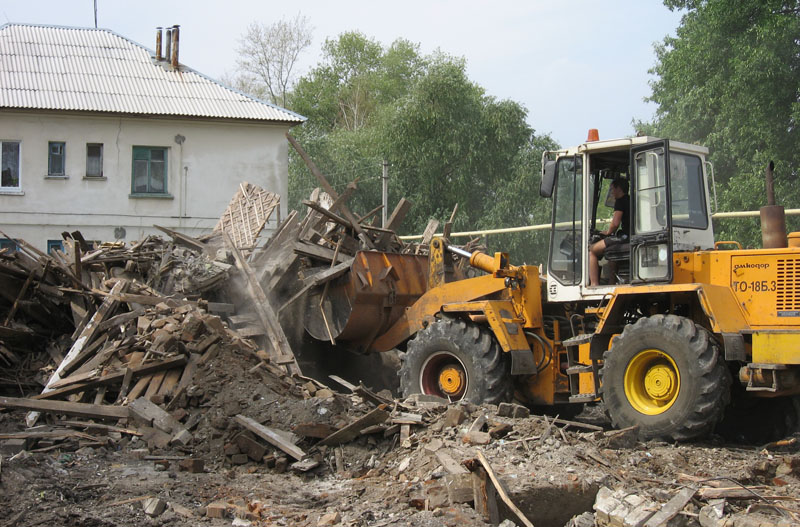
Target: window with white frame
point(149, 170)
point(94, 160)
point(56, 158)
point(9, 166)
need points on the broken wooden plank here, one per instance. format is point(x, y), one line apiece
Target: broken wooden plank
point(183, 239)
point(270, 436)
point(139, 388)
point(671, 509)
point(502, 493)
point(85, 338)
point(279, 343)
point(711, 493)
point(353, 430)
point(64, 407)
point(485, 496)
point(151, 414)
point(117, 376)
point(450, 464)
point(318, 251)
point(155, 384)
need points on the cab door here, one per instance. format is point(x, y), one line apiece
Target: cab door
point(651, 218)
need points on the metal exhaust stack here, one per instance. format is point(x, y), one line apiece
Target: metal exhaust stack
point(168, 44)
point(773, 217)
point(158, 43)
point(175, 41)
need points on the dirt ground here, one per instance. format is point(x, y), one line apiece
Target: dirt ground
point(552, 472)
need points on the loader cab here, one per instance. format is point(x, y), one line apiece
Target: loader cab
point(670, 212)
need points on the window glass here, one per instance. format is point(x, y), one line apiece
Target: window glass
point(651, 192)
point(94, 160)
point(55, 160)
point(8, 245)
point(688, 192)
point(9, 163)
point(149, 170)
point(565, 254)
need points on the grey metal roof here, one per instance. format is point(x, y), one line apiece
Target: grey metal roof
point(97, 70)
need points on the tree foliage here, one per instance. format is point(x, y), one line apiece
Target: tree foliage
point(730, 79)
point(268, 55)
point(445, 140)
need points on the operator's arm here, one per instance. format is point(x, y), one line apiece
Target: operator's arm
point(616, 220)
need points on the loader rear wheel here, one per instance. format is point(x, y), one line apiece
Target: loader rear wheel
point(665, 375)
point(456, 360)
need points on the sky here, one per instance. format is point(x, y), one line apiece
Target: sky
point(574, 64)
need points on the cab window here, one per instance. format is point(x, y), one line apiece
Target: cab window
point(688, 194)
point(567, 236)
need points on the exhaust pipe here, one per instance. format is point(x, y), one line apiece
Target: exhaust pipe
point(773, 217)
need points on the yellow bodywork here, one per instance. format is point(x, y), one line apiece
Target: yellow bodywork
point(763, 282)
point(778, 347)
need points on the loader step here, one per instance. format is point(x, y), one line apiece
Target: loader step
point(578, 340)
point(583, 398)
point(579, 368)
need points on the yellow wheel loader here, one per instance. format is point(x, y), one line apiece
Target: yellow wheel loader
point(679, 330)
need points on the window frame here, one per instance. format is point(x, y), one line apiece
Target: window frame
point(9, 243)
point(87, 175)
point(149, 192)
point(55, 244)
point(8, 189)
point(63, 154)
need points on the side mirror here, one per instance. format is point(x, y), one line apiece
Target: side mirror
point(548, 179)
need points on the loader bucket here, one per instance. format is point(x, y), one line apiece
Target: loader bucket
point(363, 303)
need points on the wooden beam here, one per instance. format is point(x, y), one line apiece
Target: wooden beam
point(63, 407)
point(671, 509)
point(501, 491)
point(270, 436)
point(279, 343)
point(111, 378)
point(183, 239)
point(353, 430)
point(85, 338)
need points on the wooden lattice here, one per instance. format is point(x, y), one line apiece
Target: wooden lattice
point(246, 215)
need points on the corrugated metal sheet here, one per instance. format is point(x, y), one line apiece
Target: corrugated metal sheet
point(61, 68)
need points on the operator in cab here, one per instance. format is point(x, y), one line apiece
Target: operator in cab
point(618, 231)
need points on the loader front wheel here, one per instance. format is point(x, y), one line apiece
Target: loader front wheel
point(665, 375)
point(456, 360)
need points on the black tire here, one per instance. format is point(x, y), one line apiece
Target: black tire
point(677, 385)
point(463, 354)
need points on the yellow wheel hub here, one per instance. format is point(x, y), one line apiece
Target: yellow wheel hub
point(451, 380)
point(652, 382)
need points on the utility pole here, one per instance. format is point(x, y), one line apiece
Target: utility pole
point(95, 14)
point(385, 193)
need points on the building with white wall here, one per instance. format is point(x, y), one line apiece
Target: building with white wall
point(102, 135)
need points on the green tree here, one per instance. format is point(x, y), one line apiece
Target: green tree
point(446, 141)
point(730, 79)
